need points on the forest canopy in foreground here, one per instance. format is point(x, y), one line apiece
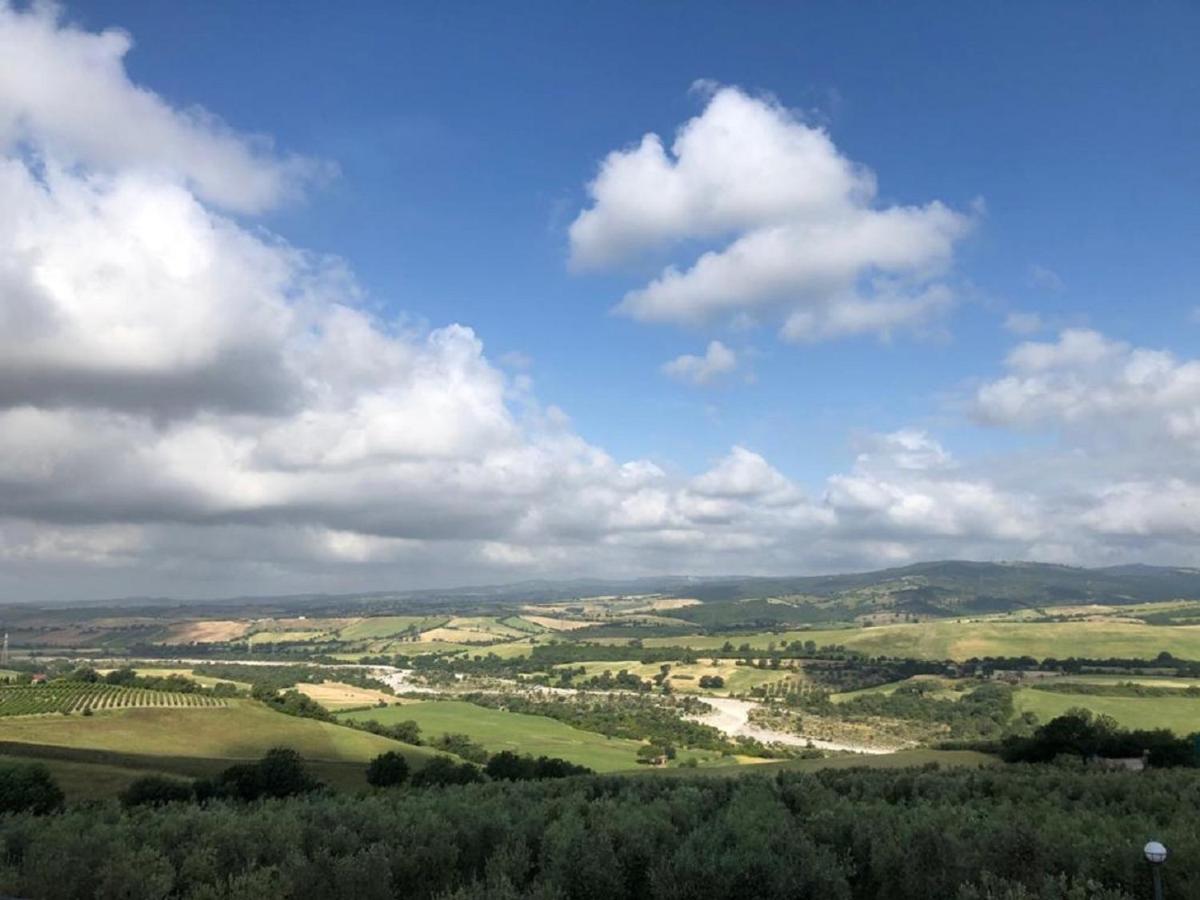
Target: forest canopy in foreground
point(1022, 833)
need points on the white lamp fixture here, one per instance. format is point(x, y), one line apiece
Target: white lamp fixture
point(1156, 853)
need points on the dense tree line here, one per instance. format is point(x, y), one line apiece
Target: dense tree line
point(1010, 833)
point(127, 676)
point(1164, 663)
point(1081, 733)
point(1117, 689)
point(279, 678)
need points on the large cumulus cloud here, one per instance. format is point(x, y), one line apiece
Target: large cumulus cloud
point(787, 228)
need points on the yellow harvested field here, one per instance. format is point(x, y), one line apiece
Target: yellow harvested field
point(456, 636)
point(556, 624)
point(283, 636)
point(668, 603)
point(336, 695)
point(206, 632)
point(305, 623)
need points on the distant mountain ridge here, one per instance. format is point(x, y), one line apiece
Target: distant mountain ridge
point(1032, 583)
point(938, 588)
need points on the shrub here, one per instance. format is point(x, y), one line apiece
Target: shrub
point(387, 770)
point(280, 773)
point(442, 770)
point(155, 790)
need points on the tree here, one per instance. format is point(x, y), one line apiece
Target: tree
point(155, 790)
point(442, 770)
point(462, 745)
point(651, 754)
point(387, 770)
point(280, 773)
point(28, 788)
point(283, 774)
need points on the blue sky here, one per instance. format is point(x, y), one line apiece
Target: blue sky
point(465, 136)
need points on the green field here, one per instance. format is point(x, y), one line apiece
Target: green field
point(498, 730)
point(243, 729)
point(963, 640)
point(522, 625)
point(388, 626)
point(196, 742)
point(1180, 714)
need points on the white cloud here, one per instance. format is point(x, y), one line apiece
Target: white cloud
point(717, 360)
point(744, 474)
point(66, 92)
point(1023, 323)
point(800, 238)
point(1167, 507)
point(1084, 379)
point(905, 485)
point(907, 449)
point(1046, 279)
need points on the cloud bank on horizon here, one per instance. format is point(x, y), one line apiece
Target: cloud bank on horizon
point(189, 404)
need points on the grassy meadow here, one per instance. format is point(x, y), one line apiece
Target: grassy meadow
point(951, 639)
point(1179, 714)
point(499, 730)
point(197, 741)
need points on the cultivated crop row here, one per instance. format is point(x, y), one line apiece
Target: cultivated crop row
point(32, 700)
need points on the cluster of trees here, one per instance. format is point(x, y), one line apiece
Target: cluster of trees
point(127, 676)
point(1006, 833)
point(280, 678)
point(408, 731)
point(623, 680)
point(857, 673)
point(712, 681)
point(983, 713)
point(461, 745)
point(544, 657)
point(1081, 733)
point(509, 766)
point(290, 702)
